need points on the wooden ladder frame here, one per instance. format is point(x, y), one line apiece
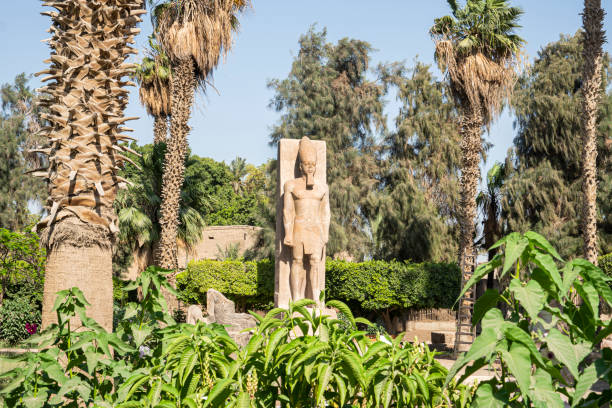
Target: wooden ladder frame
point(465, 308)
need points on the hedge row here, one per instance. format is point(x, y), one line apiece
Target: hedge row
point(366, 286)
point(249, 284)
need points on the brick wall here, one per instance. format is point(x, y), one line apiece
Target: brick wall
point(216, 240)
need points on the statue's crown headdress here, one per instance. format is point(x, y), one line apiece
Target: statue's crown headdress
point(307, 151)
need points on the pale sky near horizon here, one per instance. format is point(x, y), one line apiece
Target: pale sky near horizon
point(237, 121)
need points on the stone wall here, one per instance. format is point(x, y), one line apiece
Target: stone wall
point(217, 240)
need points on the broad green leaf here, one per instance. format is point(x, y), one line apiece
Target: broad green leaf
point(542, 392)
point(352, 366)
point(273, 342)
point(140, 335)
point(477, 365)
point(479, 273)
point(589, 295)
point(486, 398)
point(322, 382)
point(341, 388)
point(515, 245)
point(538, 240)
point(515, 333)
point(547, 264)
point(519, 363)
point(483, 346)
point(531, 296)
point(493, 319)
point(570, 273)
point(599, 280)
point(485, 302)
point(37, 401)
point(219, 393)
point(586, 380)
point(604, 333)
point(244, 400)
point(569, 354)
point(344, 309)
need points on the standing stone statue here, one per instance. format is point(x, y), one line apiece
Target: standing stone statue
point(304, 231)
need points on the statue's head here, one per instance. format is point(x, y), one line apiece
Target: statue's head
point(308, 160)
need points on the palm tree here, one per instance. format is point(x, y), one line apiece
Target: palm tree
point(154, 75)
point(489, 202)
point(194, 34)
point(239, 170)
point(85, 99)
point(594, 37)
point(138, 207)
point(477, 49)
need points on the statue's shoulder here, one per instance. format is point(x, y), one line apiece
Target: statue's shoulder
point(289, 186)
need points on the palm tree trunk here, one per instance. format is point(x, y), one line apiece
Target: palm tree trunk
point(183, 84)
point(592, 20)
point(471, 147)
point(160, 129)
point(81, 257)
point(86, 101)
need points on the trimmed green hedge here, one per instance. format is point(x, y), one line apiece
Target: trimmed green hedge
point(366, 286)
point(380, 285)
point(249, 284)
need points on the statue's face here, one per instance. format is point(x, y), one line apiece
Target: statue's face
point(308, 167)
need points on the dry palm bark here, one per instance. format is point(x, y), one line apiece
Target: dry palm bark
point(193, 35)
point(592, 20)
point(85, 98)
point(160, 129)
point(183, 87)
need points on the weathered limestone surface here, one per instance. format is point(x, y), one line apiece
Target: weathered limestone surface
point(221, 310)
point(288, 170)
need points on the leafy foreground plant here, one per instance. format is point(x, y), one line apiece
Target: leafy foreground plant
point(296, 357)
point(547, 346)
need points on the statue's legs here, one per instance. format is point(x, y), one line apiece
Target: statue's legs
point(313, 275)
point(297, 275)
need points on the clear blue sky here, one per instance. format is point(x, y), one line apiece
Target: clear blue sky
point(237, 122)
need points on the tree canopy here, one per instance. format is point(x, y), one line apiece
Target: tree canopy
point(18, 127)
point(542, 192)
point(328, 96)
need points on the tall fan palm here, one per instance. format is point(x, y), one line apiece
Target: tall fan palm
point(477, 49)
point(594, 37)
point(194, 34)
point(239, 170)
point(489, 202)
point(138, 207)
point(154, 75)
point(85, 98)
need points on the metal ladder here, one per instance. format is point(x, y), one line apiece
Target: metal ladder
point(465, 333)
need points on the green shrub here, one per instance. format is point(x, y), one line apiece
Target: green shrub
point(156, 362)
point(249, 284)
point(366, 286)
point(15, 314)
point(379, 285)
point(22, 264)
point(544, 345)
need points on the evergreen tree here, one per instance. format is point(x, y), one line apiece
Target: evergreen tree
point(327, 96)
point(418, 205)
point(543, 190)
point(18, 127)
